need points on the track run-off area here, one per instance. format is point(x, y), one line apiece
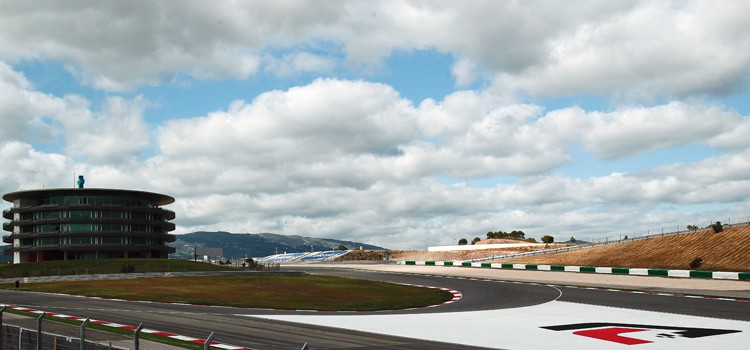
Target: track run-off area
point(501, 309)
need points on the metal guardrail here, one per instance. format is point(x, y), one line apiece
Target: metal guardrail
point(598, 244)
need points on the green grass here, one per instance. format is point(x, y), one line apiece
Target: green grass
point(308, 292)
point(85, 267)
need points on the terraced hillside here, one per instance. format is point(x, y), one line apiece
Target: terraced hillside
point(725, 251)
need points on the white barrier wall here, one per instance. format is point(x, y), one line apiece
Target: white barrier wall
point(446, 248)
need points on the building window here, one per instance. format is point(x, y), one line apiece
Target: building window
point(111, 240)
point(48, 241)
point(81, 240)
point(80, 214)
point(138, 240)
point(81, 227)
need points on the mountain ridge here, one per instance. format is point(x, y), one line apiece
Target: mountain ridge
point(241, 245)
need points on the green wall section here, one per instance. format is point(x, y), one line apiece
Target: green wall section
point(620, 270)
point(745, 276)
point(701, 274)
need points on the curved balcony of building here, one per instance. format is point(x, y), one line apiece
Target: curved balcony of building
point(166, 237)
point(96, 217)
point(8, 214)
point(92, 247)
point(164, 213)
point(168, 214)
point(157, 235)
point(74, 206)
point(36, 221)
point(170, 226)
point(8, 239)
point(167, 225)
point(27, 208)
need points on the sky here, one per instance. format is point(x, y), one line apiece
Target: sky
point(404, 124)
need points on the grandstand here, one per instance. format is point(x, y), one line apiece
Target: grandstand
point(302, 257)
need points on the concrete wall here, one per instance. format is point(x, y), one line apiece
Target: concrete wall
point(447, 248)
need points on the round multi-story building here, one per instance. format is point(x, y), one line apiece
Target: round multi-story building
point(87, 223)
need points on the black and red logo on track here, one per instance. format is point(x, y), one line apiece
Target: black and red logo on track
point(613, 332)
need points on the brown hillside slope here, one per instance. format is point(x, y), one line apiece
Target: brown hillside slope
point(725, 251)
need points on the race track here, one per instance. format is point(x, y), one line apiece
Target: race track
point(490, 314)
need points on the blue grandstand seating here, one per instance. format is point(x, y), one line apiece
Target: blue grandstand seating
point(306, 257)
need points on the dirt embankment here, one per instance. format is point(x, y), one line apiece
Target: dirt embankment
point(421, 255)
point(395, 255)
point(725, 251)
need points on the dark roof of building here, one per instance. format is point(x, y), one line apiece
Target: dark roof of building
point(152, 197)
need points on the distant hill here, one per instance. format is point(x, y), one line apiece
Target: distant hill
point(3, 257)
point(240, 245)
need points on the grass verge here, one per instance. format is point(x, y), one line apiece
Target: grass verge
point(85, 267)
point(304, 292)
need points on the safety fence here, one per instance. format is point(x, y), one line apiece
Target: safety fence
point(18, 338)
point(23, 337)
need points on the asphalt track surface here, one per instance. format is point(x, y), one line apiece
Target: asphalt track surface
point(231, 327)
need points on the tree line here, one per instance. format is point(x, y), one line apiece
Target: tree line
point(515, 234)
point(512, 234)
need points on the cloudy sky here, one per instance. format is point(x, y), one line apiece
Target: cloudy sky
point(398, 123)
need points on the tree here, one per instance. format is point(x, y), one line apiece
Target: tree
point(718, 227)
point(547, 239)
point(692, 227)
point(462, 241)
point(250, 263)
point(475, 240)
point(572, 239)
point(342, 247)
point(517, 234)
point(696, 263)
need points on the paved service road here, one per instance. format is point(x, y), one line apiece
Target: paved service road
point(253, 332)
point(489, 297)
